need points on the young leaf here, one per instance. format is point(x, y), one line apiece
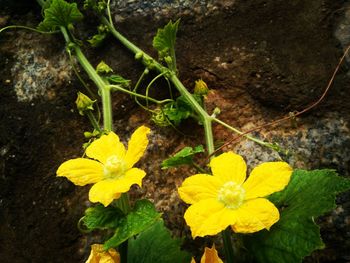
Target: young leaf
point(155, 245)
point(60, 13)
point(185, 156)
point(164, 42)
point(180, 109)
point(103, 68)
point(142, 217)
point(176, 114)
point(118, 80)
point(97, 39)
point(100, 217)
point(308, 195)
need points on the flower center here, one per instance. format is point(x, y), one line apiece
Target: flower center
point(232, 195)
point(114, 167)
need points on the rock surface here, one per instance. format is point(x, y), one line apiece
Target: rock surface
point(262, 60)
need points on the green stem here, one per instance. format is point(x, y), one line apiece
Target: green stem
point(117, 87)
point(204, 116)
point(123, 250)
point(129, 45)
point(199, 169)
point(228, 246)
point(266, 144)
point(29, 28)
point(107, 109)
point(100, 83)
point(105, 95)
point(150, 84)
point(41, 2)
point(93, 120)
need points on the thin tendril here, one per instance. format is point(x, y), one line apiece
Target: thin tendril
point(298, 112)
point(150, 84)
point(28, 28)
point(109, 12)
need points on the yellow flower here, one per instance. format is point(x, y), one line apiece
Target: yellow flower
point(227, 199)
point(98, 255)
point(210, 255)
point(111, 172)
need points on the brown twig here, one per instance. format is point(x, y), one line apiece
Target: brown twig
point(295, 114)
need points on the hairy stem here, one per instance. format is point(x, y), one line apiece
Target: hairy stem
point(241, 133)
point(117, 87)
point(203, 115)
point(93, 120)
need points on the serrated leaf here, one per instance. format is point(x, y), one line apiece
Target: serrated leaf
point(100, 217)
point(185, 156)
point(60, 13)
point(118, 80)
point(139, 219)
point(164, 42)
point(155, 245)
point(182, 101)
point(176, 114)
point(180, 110)
point(308, 195)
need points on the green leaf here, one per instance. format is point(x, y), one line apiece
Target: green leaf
point(60, 13)
point(118, 80)
point(142, 217)
point(103, 68)
point(182, 101)
point(175, 113)
point(185, 156)
point(100, 217)
point(164, 42)
point(98, 6)
point(97, 39)
point(155, 245)
point(308, 195)
point(180, 110)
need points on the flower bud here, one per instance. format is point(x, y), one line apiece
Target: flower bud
point(201, 87)
point(139, 55)
point(103, 68)
point(84, 103)
point(168, 60)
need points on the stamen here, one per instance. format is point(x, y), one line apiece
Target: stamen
point(114, 167)
point(232, 195)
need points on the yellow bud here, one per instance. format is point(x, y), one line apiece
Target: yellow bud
point(200, 87)
point(84, 103)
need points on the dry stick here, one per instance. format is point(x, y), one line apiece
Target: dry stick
point(295, 114)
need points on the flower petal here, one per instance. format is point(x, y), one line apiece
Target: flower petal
point(208, 217)
point(105, 191)
point(229, 167)
point(210, 256)
point(199, 187)
point(134, 176)
point(81, 171)
point(106, 146)
point(266, 179)
point(255, 215)
point(137, 146)
point(99, 255)
point(108, 190)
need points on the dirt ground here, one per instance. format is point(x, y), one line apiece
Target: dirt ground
point(262, 58)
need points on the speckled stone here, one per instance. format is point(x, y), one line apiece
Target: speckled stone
point(165, 8)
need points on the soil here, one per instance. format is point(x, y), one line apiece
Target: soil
point(262, 59)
